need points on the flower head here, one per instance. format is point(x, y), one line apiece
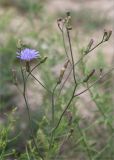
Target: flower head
point(27, 54)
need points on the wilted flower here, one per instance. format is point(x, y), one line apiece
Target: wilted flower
point(27, 54)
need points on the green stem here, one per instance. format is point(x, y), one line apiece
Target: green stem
point(28, 112)
point(66, 108)
point(53, 105)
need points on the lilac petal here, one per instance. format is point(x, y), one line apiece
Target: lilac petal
point(28, 54)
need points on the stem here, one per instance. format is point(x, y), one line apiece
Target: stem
point(53, 131)
point(33, 69)
point(79, 62)
point(65, 45)
point(96, 46)
point(28, 112)
point(73, 66)
point(62, 86)
point(63, 38)
point(53, 105)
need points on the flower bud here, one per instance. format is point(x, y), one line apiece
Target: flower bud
point(44, 59)
point(59, 21)
point(20, 45)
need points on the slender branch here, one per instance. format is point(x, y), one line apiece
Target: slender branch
point(79, 62)
point(33, 69)
point(53, 105)
point(53, 113)
point(63, 84)
point(30, 73)
point(71, 101)
point(69, 74)
point(42, 61)
point(40, 82)
point(66, 108)
point(96, 46)
point(63, 37)
point(78, 94)
point(73, 65)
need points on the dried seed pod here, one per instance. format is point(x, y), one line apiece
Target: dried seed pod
point(68, 115)
point(59, 19)
point(101, 71)
point(66, 64)
point(62, 71)
point(68, 13)
point(88, 76)
point(68, 21)
point(61, 75)
point(107, 35)
point(89, 46)
point(71, 130)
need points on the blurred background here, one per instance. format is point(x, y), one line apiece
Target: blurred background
point(34, 22)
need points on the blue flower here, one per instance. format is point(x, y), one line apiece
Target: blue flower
point(27, 54)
